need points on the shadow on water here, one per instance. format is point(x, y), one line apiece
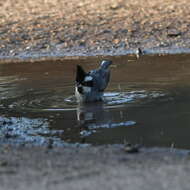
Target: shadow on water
point(147, 102)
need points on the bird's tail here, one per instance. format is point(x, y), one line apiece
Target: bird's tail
point(80, 74)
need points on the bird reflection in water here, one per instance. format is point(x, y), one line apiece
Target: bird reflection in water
point(93, 117)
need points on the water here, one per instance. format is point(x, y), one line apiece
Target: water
point(147, 102)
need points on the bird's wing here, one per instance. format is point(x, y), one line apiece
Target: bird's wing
point(100, 78)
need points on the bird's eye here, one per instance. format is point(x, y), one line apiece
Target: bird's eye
point(88, 83)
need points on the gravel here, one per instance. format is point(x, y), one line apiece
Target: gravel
point(92, 27)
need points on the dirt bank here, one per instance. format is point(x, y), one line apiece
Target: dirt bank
point(92, 27)
point(105, 167)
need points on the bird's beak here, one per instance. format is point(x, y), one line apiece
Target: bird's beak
point(106, 63)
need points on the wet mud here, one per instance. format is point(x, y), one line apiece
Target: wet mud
point(91, 167)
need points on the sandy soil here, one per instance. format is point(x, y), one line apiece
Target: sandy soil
point(88, 27)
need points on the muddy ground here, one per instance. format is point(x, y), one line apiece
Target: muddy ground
point(105, 167)
point(36, 28)
point(92, 27)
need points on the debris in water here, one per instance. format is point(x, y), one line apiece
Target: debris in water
point(129, 148)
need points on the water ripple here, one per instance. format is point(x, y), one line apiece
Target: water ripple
point(55, 101)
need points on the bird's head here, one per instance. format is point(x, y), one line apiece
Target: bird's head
point(105, 64)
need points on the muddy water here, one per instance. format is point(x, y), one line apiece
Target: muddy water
point(147, 102)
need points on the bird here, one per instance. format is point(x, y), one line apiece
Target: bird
point(139, 52)
point(90, 86)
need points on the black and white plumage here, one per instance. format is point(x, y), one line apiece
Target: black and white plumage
point(90, 86)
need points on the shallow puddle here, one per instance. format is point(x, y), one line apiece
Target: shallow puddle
point(147, 102)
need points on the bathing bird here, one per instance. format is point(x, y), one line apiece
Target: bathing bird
point(90, 86)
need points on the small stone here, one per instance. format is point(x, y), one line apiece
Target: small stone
point(163, 44)
point(7, 136)
point(11, 51)
point(3, 163)
point(173, 33)
point(115, 6)
point(116, 41)
point(50, 144)
point(106, 31)
point(125, 31)
point(129, 148)
point(82, 44)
